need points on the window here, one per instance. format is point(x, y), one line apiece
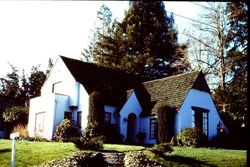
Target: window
point(68, 115)
point(200, 119)
point(79, 119)
point(107, 118)
point(153, 128)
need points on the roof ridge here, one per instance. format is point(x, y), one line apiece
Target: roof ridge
point(170, 77)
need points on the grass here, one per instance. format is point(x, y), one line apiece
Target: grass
point(34, 153)
point(185, 157)
point(121, 148)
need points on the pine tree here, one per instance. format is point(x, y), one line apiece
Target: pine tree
point(144, 43)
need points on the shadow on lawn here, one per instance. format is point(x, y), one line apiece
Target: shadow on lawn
point(186, 161)
point(5, 150)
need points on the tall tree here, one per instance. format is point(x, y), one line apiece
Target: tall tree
point(208, 47)
point(235, 93)
point(36, 80)
point(10, 84)
point(144, 43)
point(103, 27)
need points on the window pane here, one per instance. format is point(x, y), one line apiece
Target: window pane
point(107, 118)
point(78, 119)
point(153, 128)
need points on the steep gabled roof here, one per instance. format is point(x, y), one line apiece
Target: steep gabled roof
point(112, 83)
point(170, 90)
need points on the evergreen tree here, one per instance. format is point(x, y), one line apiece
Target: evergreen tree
point(235, 94)
point(36, 80)
point(103, 28)
point(10, 84)
point(144, 43)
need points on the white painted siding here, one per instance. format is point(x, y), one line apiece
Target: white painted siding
point(199, 99)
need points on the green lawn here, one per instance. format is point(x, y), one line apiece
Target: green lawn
point(34, 153)
point(185, 156)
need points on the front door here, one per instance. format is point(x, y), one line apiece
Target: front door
point(131, 129)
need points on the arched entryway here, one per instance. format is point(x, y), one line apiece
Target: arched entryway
point(131, 129)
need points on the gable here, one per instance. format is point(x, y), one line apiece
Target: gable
point(170, 91)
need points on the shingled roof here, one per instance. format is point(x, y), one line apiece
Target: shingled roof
point(169, 90)
point(112, 83)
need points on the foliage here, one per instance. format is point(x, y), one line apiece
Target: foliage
point(235, 92)
point(181, 156)
point(37, 138)
point(160, 149)
point(192, 137)
point(138, 159)
point(79, 158)
point(15, 115)
point(22, 130)
point(96, 115)
point(158, 55)
point(36, 80)
point(165, 118)
point(65, 131)
point(92, 143)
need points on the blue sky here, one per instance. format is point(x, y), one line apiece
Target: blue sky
point(31, 32)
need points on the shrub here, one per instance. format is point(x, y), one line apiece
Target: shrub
point(137, 159)
point(93, 143)
point(165, 117)
point(173, 141)
point(22, 130)
point(79, 158)
point(37, 138)
point(192, 137)
point(160, 149)
point(16, 115)
point(66, 131)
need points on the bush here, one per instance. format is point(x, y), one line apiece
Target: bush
point(22, 130)
point(66, 131)
point(37, 138)
point(165, 117)
point(160, 149)
point(93, 143)
point(79, 158)
point(192, 137)
point(16, 115)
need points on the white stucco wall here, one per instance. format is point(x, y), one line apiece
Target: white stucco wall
point(111, 109)
point(61, 78)
point(199, 99)
point(145, 127)
point(66, 92)
point(44, 104)
point(131, 106)
point(83, 106)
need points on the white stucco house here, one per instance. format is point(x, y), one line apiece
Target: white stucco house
point(129, 104)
